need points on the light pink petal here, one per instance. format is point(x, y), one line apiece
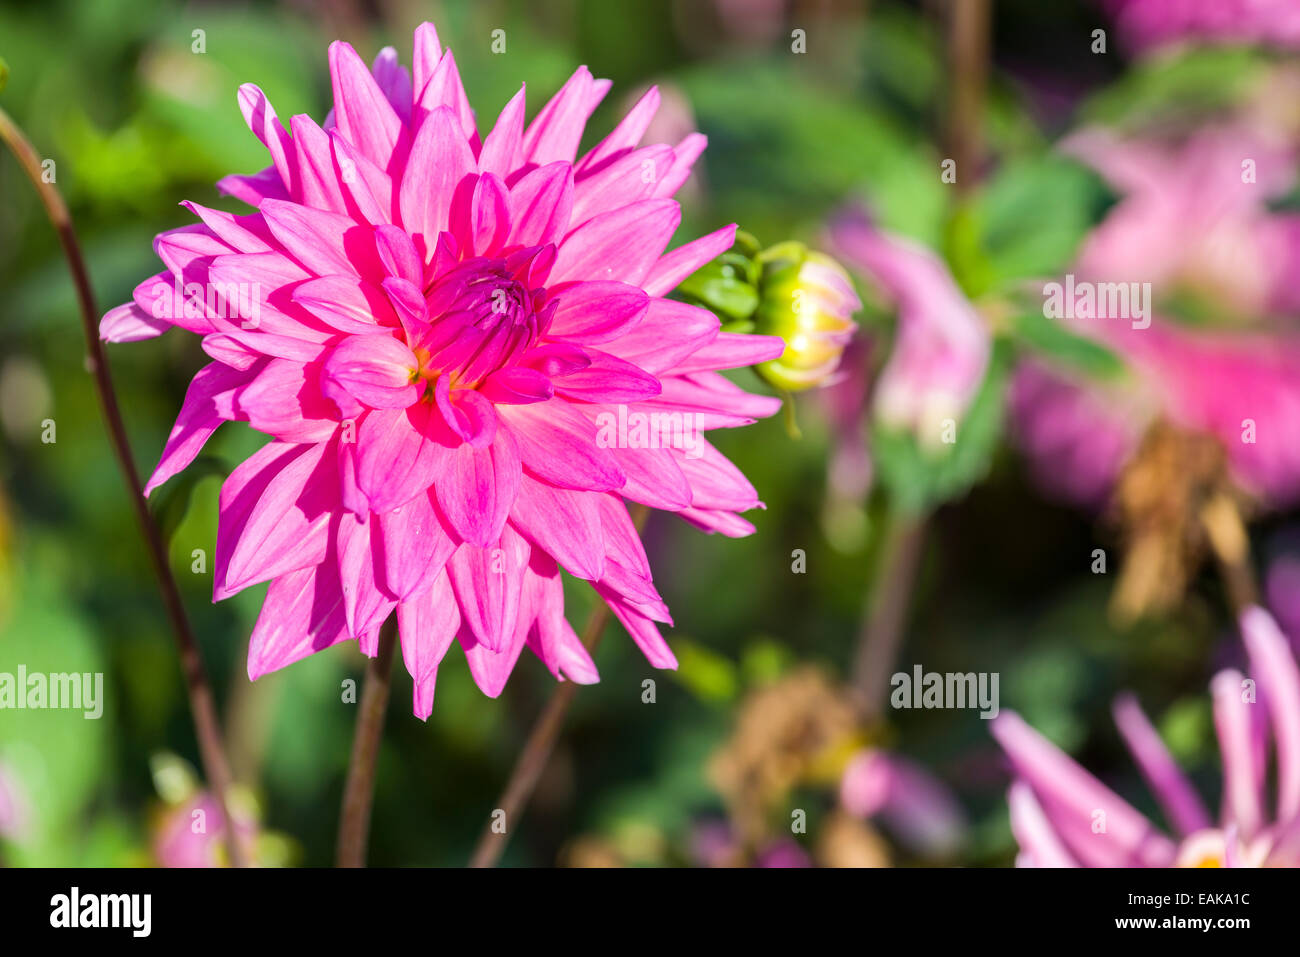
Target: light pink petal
point(346, 304)
point(365, 604)
point(478, 486)
point(730, 350)
point(481, 220)
point(467, 413)
point(209, 401)
point(301, 615)
point(626, 135)
point(625, 180)
point(428, 624)
point(446, 91)
point(557, 443)
point(685, 154)
point(275, 510)
point(552, 638)
point(261, 119)
point(1033, 831)
point(715, 482)
point(622, 244)
point(1279, 678)
point(399, 454)
point(285, 400)
point(668, 273)
point(653, 478)
point(375, 370)
point(255, 188)
point(321, 184)
point(364, 116)
point(427, 53)
point(669, 333)
point(540, 205)
point(595, 312)
point(564, 524)
point(643, 629)
point(555, 132)
point(488, 583)
point(245, 234)
point(367, 188)
point(440, 159)
point(130, 323)
point(503, 149)
point(324, 243)
point(416, 541)
point(1242, 774)
point(608, 379)
point(395, 80)
point(723, 523)
point(1182, 806)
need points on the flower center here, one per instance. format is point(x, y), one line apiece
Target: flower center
point(481, 317)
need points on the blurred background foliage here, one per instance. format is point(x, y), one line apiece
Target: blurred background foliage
point(137, 122)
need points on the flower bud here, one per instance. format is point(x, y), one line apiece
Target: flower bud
point(807, 299)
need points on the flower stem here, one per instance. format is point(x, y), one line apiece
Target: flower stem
point(886, 614)
point(537, 750)
point(1231, 546)
point(359, 791)
point(202, 706)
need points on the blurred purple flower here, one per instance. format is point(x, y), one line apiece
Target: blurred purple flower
point(941, 348)
point(1062, 816)
point(1147, 24)
point(193, 833)
point(918, 808)
point(784, 852)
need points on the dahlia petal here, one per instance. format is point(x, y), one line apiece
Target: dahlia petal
point(368, 189)
point(1178, 799)
point(324, 243)
point(245, 234)
point(255, 188)
point(364, 603)
point(516, 385)
point(668, 273)
point(400, 257)
point(1243, 802)
point(555, 132)
point(685, 154)
point(668, 334)
point(1033, 831)
point(564, 524)
point(730, 350)
point(595, 312)
point(551, 637)
point(622, 244)
point(209, 401)
point(275, 510)
point(399, 454)
point(375, 370)
point(416, 542)
point(1275, 666)
point(557, 443)
point(722, 522)
point(625, 136)
point(540, 205)
point(364, 116)
point(427, 53)
point(302, 614)
point(627, 179)
point(488, 583)
point(643, 629)
point(353, 499)
point(477, 486)
point(502, 151)
point(608, 379)
point(347, 304)
point(180, 248)
point(446, 91)
point(428, 624)
point(467, 413)
point(715, 482)
point(1060, 782)
point(716, 402)
point(622, 542)
point(394, 80)
point(262, 120)
point(130, 323)
point(632, 587)
point(440, 159)
point(481, 222)
point(653, 478)
point(491, 669)
point(285, 400)
point(321, 184)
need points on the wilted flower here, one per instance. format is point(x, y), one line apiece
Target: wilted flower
point(439, 330)
point(941, 348)
point(1062, 816)
point(1152, 23)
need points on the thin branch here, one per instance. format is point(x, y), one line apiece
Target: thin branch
point(359, 791)
point(202, 706)
point(537, 750)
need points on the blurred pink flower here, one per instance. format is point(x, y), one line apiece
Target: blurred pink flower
point(14, 810)
point(941, 348)
point(785, 852)
point(1062, 816)
point(193, 833)
point(1188, 223)
point(1146, 24)
point(439, 331)
point(917, 808)
point(845, 401)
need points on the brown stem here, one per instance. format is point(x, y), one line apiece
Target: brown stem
point(968, 58)
point(537, 749)
point(359, 791)
point(206, 725)
point(1231, 546)
point(886, 615)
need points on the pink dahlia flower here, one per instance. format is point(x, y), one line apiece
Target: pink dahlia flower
point(460, 347)
point(193, 833)
point(1062, 816)
point(1153, 23)
point(941, 349)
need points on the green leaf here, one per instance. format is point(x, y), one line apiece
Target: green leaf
point(1053, 340)
point(919, 479)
